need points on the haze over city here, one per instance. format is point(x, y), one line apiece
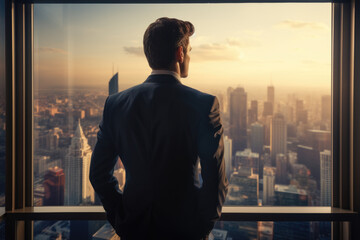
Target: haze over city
point(268, 64)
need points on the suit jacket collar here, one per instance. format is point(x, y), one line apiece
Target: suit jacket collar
point(162, 79)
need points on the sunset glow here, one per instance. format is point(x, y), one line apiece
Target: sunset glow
point(286, 45)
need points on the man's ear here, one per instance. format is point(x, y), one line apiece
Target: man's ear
point(180, 54)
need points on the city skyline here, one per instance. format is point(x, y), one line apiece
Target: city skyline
point(288, 169)
point(258, 66)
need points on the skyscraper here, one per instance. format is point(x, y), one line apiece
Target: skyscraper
point(325, 178)
point(54, 182)
point(228, 156)
point(310, 158)
point(257, 138)
point(247, 159)
point(77, 166)
point(301, 113)
point(290, 195)
point(114, 84)
point(268, 109)
point(52, 138)
point(253, 112)
point(268, 186)
point(267, 126)
point(271, 95)
point(281, 169)
point(278, 137)
point(238, 118)
point(243, 188)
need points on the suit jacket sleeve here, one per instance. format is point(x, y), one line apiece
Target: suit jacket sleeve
point(211, 154)
point(103, 160)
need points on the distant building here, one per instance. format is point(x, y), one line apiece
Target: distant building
point(247, 159)
point(290, 195)
point(325, 178)
point(114, 84)
point(271, 94)
point(243, 188)
point(281, 169)
point(238, 118)
point(52, 138)
point(253, 112)
point(287, 110)
point(318, 139)
point(228, 156)
point(40, 165)
point(278, 136)
point(266, 159)
point(301, 114)
point(78, 114)
point(78, 189)
point(267, 126)
point(54, 183)
point(268, 109)
point(268, 185)
point(257, 138)
point(310, 158)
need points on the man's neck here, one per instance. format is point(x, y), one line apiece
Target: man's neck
point(167, 72)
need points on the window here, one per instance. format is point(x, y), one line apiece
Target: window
point(306, 110)
point(2, 104)
point(277, 124)
point(282, 61)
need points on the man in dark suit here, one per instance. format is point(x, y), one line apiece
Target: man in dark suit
point(160, 129)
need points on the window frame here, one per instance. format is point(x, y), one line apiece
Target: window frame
point(345, 133)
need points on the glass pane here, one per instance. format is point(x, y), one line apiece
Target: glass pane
point(2, 103)
point(68, 230)
point(2, 229)
point(272, 230)
point(101, 230)
point(268, 64)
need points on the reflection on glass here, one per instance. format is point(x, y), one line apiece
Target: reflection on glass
point(271, 74)
point(2, 103)
point(272, 230)
point(2, 229)
point(96, 230)
point(68, 230)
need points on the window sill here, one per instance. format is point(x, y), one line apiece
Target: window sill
point(228, 213)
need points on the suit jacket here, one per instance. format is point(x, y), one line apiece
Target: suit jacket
point(160, 129)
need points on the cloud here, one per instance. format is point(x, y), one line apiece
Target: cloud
point(204, 52)
point(52, 50)
point(242, 42)
point(216, 52)
point(138, 51)
point(303, 25)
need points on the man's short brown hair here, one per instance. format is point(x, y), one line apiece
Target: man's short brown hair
point(163, 37)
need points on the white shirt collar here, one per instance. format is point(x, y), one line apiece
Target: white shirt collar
point(167, 72)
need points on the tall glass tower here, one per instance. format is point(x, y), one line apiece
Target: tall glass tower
point(114, 84)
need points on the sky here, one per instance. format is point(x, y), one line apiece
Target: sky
point(245, 44)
